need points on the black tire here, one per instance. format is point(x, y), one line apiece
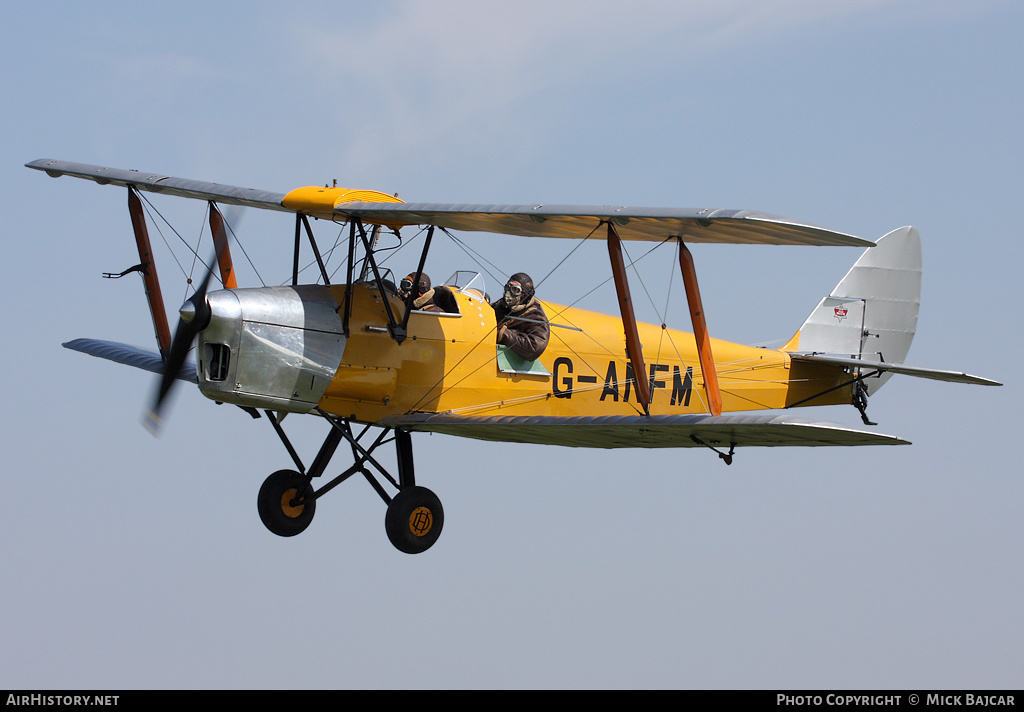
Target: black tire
point(277, 504)
point(414, 520)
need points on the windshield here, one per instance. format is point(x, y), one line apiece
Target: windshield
point(468, 283)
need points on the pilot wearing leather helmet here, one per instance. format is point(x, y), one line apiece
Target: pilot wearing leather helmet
point(522, 323)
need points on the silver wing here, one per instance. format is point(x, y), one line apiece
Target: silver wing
point(657, 431)
point(559, 221)
point(129, 356)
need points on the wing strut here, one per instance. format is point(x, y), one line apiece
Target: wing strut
point(419, 273)
point(700, 330)
point(153, 294)
point(220, 244)
point(302, 222)
point(636, 357)
point(395, 329)
point(348, 277)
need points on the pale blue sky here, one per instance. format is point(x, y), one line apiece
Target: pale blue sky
point(139, 562)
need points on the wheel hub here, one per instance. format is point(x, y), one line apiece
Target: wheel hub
point(290, 511)
point(420, 521)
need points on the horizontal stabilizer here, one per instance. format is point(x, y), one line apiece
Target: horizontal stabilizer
point(129, 355)
point(866, 365)
point(627, 431)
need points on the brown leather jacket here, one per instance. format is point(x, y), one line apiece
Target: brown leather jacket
point(527, 338)
point(425, 302)
point(438, 299)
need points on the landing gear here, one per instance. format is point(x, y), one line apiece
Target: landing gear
point(286, 503)
point(414, 515)
point(860, 401)
point(414, 520)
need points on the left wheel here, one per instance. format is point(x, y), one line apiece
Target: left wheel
point(414, 520)
point(286, 503)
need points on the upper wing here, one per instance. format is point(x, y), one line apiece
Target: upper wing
point(934, 374)
point(568, 221)
point(158, 183)
point(631, 223)
point(646, 431)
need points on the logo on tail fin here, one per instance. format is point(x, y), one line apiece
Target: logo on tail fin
point(841, 313)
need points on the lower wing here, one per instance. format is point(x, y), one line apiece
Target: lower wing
point(129, 356)
point(646, 431)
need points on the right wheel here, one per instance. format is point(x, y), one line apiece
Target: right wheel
point(414, 520)
point(286, 503)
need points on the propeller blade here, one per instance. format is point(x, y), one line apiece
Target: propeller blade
point(194, 317)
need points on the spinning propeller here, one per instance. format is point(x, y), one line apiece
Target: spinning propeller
point(194, 317)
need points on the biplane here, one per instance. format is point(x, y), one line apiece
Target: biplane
point(362, 358)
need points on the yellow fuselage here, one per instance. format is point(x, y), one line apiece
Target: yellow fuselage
point(448, 364)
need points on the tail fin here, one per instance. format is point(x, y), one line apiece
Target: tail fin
point(872, 313)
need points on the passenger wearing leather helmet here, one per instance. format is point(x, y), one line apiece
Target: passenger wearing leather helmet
point(522, 323)
point(425, 297)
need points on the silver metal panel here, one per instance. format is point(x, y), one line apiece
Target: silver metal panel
point(286, 344)
point(286, 362)
point(303, 307)
point(225, 328)
point(647, 431)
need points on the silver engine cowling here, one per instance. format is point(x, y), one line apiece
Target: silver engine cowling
point(275, 348)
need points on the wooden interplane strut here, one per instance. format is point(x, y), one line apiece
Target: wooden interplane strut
point(220, 244)
point(700, 330)
point(633, 347)
point(153, 294)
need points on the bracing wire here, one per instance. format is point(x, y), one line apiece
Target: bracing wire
point(150, 207)
point(242, 248)
point(471, 252)
point(641, 279)
point(578, 245)
point(632, 263)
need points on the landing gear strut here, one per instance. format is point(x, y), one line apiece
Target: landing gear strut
point(287, 499)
